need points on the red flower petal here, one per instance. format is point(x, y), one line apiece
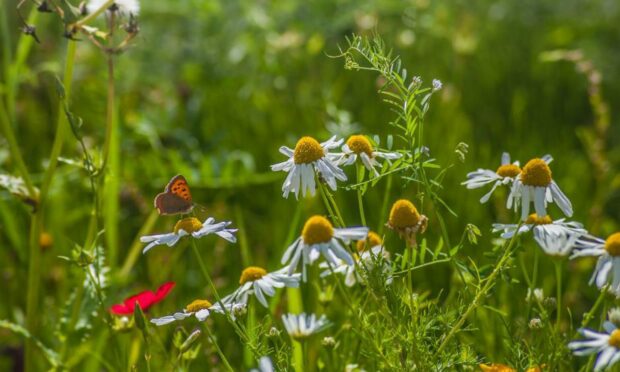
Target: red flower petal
point(145, 299)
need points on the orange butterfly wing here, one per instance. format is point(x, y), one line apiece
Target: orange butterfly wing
point(178, 186)
point(176, 198)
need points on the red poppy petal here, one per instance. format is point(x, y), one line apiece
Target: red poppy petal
point(120, 310)
point(163, 290)
point(145, 299)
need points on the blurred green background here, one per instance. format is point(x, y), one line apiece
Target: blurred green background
point(212, 89)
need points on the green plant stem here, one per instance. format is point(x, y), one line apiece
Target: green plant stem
point(590, 314)
point(384, 206)
point(330, 204)
point(360, 193)
point(136, 246)
point(217, 348)
point(558, 275)
point(480, 295)
point(410, 248)
point(16, 154)
point(94, 14)
point(34, 269)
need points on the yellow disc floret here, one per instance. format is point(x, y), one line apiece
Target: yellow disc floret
point(403, 214)
point(251, 274)
point(198, 305)
point(307, 150)
point(508, 170)
point(533, 219)
point(317, 230)
point(614, 339)
point(189, 225)
point(536, 173)
point(372, 240)
point(496, 368)
point(612, 244)
point(359, 143)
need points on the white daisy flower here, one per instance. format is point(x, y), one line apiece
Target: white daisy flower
point(302, 326)
point(550, 235)
point(122, 6)
point(406, 221)
point(201, 309)
point(359, 146)
point(264, 365)
point(607, 271)
point(190, 226)
point(504, 175)
point(308, 157)
point(320, 238)
point(257, 281)
point(535, 185)
point(606, 345)
point(365, 261)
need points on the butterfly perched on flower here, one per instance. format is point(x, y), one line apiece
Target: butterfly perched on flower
point(176, 198)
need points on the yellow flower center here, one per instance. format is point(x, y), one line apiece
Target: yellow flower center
point(317, 230)
point(614, 339)
point(372, 240)
point(251, 274)
point(533, 219)
point(508, 170)
point(359, 143)
point(612, 244)
point(189, 225)
point(198, 305)
point(403, 214)
point(496, 368)
point(536, 173)
point(307, 150)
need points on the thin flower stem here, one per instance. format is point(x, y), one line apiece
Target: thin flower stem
point(217, 348)
point(94, 14)
point(16, 154)
point(590, 314)
point(339, 220)
point(490, 281)
point(384, 206)
point(360, 193)
point(558, 275)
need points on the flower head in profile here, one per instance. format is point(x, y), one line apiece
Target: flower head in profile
point(258, 282)
point(320, 238)
point(307, 159)
point(201, 309)
point(607, 271)
point(535, 185)
point(504, 175)
point(359, 147)
point(302, 326)
point(190, 226)
point(124, 7)
point(605, 344)
point(144, 299)
point(556, 238)
point(406, 220)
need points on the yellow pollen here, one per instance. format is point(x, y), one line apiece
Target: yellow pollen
point(197, 305)
point(317, 230)
point(189, 225)
point(359, 143)
point(533, 219)
point(612, 245)
point(307, 150)
point(508, 170)
point(614, 339)
point(372, 240)
point(403, 214)
point(536, 173)
point(252, 273)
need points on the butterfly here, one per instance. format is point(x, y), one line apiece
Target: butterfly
point(176, 198)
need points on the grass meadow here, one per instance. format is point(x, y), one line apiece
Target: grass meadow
point(296, 185)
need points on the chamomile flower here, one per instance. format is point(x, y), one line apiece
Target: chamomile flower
point(406, 220)
point(257, 281)
point(504, 175)
point(190, 226)
point(556, 238)
point(535, 185)
point(264, 365)
point(606, 345)
point(302, 326)
point(320, 238)
point(122, 6)
point(201, 309)
point(308, 157)
point(358, 146)
point(607, 271)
